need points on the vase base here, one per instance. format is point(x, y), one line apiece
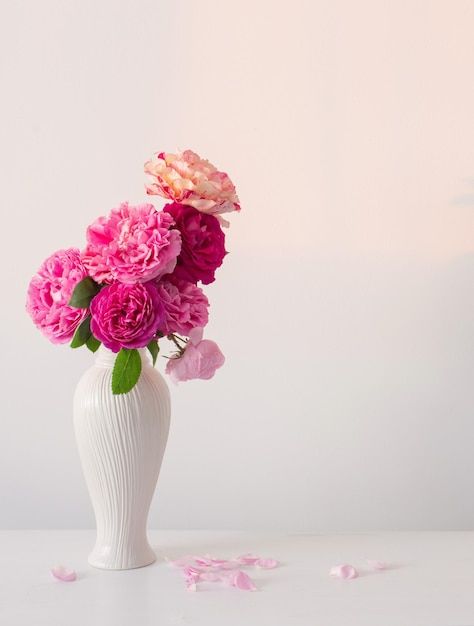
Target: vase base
point(103, 562)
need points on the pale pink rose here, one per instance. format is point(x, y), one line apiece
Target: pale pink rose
point(201, 359)
point(50, 291)
point(186, 306)
point(133, 244)
point(186, 178)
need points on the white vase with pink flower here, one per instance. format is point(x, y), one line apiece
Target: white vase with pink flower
point(121, 441)
point(135, 285)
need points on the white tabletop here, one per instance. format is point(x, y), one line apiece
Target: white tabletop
point(430, 583)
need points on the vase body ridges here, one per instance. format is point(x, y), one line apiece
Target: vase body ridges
point(121, 441)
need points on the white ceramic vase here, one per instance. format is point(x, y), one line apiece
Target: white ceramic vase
point(121, 441)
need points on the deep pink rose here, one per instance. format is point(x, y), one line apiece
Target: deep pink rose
point(201, 359)
point(126, 316)
point(134, 244)
point(186, 178)
point(50, 291)
point(202, 244)
point(186, 306)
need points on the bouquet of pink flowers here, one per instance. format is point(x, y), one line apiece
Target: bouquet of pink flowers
point(137, 279)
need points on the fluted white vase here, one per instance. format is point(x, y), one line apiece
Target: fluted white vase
point(121, 441)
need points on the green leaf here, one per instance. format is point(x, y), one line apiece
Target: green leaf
point(154, 348)
point(93, 344)
point(82, 334)
point(126, 372)
point(83, 293)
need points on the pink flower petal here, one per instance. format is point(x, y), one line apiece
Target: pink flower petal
point(248, 559)
point(343, 571)
point(267, 563)
point(244, 582)
point(195, 335)
point(205, 561)
point(191, 571)
point(377, 565)
point(63, 573)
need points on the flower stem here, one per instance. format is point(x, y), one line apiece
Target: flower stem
point(174, 338)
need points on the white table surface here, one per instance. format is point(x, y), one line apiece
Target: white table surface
point(431, 582)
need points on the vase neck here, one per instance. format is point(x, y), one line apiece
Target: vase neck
point(106, 358)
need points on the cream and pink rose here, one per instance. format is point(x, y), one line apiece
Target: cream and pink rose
point(186, 178)
point(49, 292)
point(132, 244)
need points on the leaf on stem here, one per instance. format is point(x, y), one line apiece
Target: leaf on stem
point(126, 372)
point(93, 344)
point(82, 334)
point(83, 293)
point(154, 349)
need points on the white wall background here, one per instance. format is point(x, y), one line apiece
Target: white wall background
point(345, 307)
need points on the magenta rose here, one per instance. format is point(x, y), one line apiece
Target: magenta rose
point(133, 244)
point(186, 306)
point(126, 316)
point(50, 291)
point(202, 244)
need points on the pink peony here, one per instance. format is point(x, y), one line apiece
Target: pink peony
point(49, 292)
point(186, 178)
point(132, 245)
point(202, 244)
point(126, 316)
point(201, 359)
point(186, 306)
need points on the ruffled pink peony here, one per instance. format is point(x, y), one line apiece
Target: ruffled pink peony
point(49, 292)
point(201, 359)
point(186, 178)
point(126, 316)
point(133, 244)
point(202, 244)
point(186, 306)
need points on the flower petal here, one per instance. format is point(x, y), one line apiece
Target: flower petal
point(247, 559)
point(63, 573)
point(242, 581)
point(267, 563)
point(344, 571)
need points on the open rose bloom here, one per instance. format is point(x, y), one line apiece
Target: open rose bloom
point(138, 280)
point(187, 179)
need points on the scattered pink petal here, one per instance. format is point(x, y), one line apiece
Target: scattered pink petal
point(205, 561)
point(188, 570)
point(344, 571)
point(248, 559)
point(229, 565)
point(209, 561)
point(63, 573)
point(267, 563)
point(224, 563)
point(206, 568)
point(242, 581)
point(377, 565)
